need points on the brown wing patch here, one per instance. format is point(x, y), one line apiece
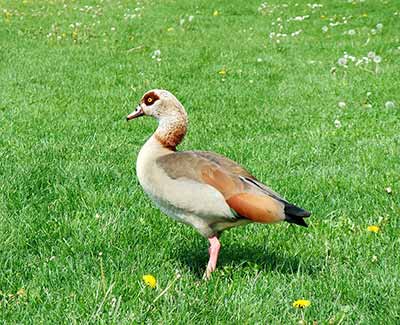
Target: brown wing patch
point(223, 182)
point(258, 208)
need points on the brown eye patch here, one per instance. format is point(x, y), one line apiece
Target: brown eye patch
point(150, 98)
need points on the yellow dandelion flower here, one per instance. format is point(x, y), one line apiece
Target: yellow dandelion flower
point(374, 229)
point(7, 14)
point(150, 280)
point(301, 303)
point(21, 292)
point(222, 72)
point(216, 13)
point(171, 29)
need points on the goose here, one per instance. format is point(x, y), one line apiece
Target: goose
point(202, 189)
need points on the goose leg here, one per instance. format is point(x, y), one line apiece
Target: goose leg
point(213, 250)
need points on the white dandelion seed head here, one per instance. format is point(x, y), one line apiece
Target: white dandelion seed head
point(351, 32)
point(325, 29)
point(337, 123)
point(377, 59)
point(342, 104)
point(373, 31)
point(379, 26)
point(190, 18)
point(371, 55)
point(342, 61)
point(156, 55)
point(389, 104)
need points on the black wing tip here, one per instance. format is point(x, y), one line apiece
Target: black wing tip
point(293, 210)
point(295, 215)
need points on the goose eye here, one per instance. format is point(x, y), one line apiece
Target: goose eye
point(149, 100)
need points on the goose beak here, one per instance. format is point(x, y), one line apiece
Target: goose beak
point(136, 113)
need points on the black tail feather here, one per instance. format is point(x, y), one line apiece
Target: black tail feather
point(295, 215)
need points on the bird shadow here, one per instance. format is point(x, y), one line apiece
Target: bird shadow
point(195, 257)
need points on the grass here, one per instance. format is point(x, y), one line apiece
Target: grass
point(77, 233)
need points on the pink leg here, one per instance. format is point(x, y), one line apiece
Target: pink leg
point(214, 251)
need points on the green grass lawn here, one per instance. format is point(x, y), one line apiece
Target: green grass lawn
point(77, 233)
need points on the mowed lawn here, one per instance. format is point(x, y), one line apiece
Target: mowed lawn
point(305, 95)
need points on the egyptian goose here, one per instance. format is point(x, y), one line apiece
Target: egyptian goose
point(200, 188)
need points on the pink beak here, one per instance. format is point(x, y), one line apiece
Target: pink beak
point(137, 113)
